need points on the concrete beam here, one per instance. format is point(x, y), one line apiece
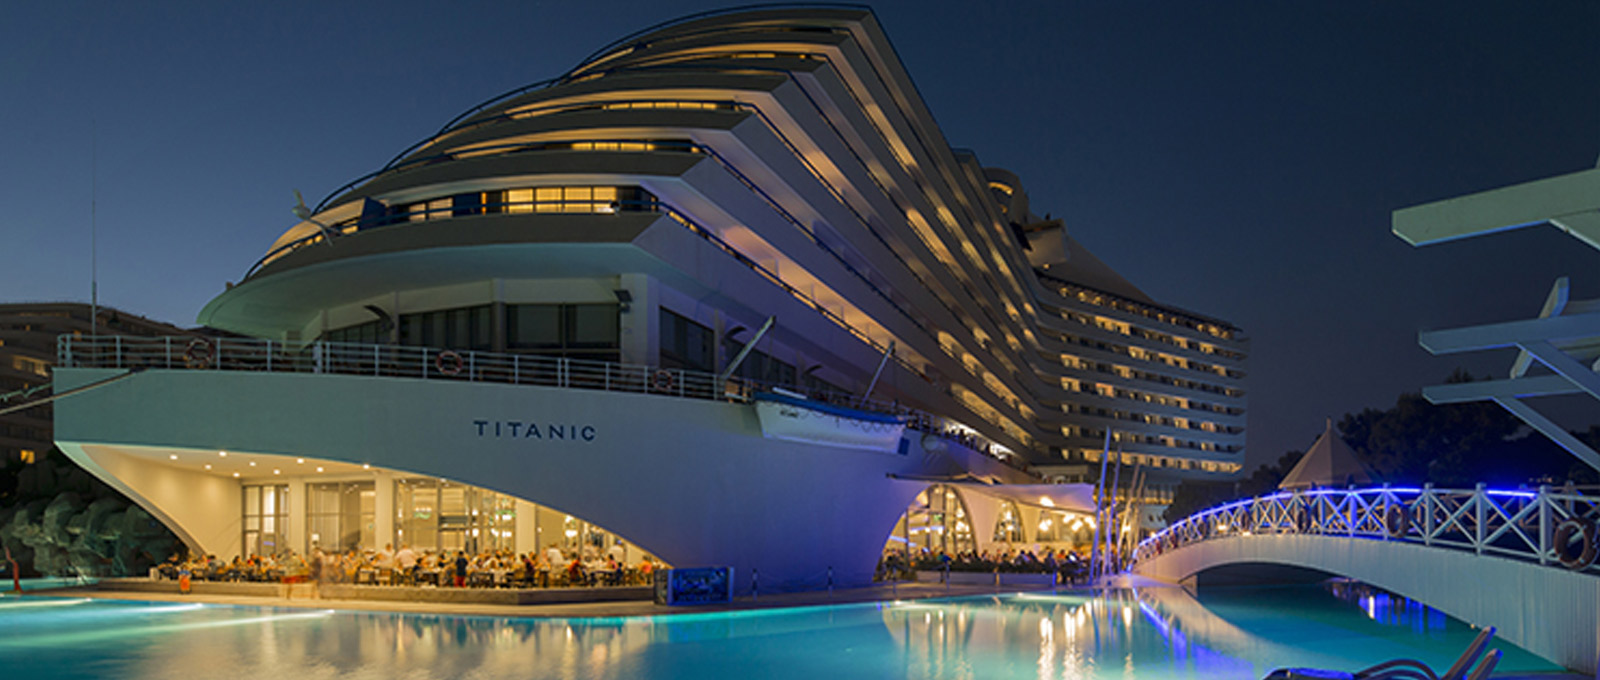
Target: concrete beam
point(1503, 209)
point(1510, 333)
point(1539, 386)
point(1551, 429)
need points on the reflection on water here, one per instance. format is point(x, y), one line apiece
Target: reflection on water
point(1389, 609)
point(1150, 633)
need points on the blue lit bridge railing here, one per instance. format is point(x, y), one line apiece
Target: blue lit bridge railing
point(1554, 526)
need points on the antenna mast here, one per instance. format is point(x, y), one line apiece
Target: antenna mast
point(94, 264)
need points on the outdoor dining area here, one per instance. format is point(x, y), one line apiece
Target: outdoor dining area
point(551, 568)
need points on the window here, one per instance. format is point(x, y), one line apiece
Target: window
point(437, 515)
point(266, 519)
point(526, 200)
point(339, 515)
point(37, 367)
point(1008, 526)
point(26, 456)
point(578, 331)
point(685, 344)
point(937, 521)
point(576, 199)
point(760, 366)
point(467, 328)
point(1057, 526)
point(369, 333)
point(519, 201)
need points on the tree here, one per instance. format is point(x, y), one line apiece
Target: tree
point(1453, 445)
point(1416, 442)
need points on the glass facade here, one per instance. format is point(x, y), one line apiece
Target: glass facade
point(685, 344)
point(266, 519)
point(467, 328)
point(576, 331)
point(760, 366)
point(1008, 524)
point(339, 515)
point(436, 515)
point(937, 521)
point(1057, 526)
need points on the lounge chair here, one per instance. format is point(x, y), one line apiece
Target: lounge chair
point(1409, 669)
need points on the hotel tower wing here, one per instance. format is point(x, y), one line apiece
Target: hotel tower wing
point(722, 293)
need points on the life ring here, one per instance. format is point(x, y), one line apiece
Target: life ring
point(662, 381)
point(1586, 549)
point(1397, 520)
point(448, 362)
point(198, 354)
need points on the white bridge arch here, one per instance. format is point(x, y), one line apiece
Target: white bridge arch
point(1484, 556)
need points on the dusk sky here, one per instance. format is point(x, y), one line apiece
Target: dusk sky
point(1238, 159)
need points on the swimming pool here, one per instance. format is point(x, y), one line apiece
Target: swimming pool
point(1147, 633)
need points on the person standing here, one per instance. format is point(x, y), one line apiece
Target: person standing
point(406, 559)
point(461, 569)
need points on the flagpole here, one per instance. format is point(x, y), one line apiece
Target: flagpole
point(94, 194)
point(1099, 504)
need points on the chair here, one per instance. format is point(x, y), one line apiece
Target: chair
point(1409, 669)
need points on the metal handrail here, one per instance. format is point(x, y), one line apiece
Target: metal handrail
point(390, 220)
point(635, 36)
point(1519, 523)
point(198, 353)
point(564, 77)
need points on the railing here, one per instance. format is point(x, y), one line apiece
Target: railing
point(428, 363)
point(1548, 525)
point(356, 224)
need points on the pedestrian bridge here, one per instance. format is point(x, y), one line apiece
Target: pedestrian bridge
point(1523, 561)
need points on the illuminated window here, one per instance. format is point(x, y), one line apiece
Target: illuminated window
point(339, 516)
point(519, 201)
point(266, 519)
point(1008, 526)
point(547, 199)
point(937, 521)
point(577, 199)
point(27, 455)
point(37, 367)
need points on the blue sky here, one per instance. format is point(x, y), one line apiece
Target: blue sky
point(1239, 159)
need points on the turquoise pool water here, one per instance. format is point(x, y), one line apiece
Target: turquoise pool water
point(1150, 633)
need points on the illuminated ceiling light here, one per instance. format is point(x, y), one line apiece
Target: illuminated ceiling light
point(276, 471)
point(224, 454)
point(1046, 502)
point(300, 460)
point(208, 466)
point(319, 468)
point(252, 463)
point(365, 466)
point(172, 456)
point(236, 474)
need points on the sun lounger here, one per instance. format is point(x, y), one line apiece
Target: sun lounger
point(1408, 669)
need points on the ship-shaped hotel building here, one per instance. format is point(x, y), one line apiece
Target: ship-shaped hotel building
point(723, 292)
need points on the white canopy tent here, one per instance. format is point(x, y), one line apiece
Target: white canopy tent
point(1330, 462)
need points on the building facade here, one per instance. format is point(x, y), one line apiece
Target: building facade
point(28, 340)
point(576, 266)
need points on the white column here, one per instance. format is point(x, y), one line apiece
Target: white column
point(295, 533)
point(527, 527)
point(639, 324)
point(383, 510)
